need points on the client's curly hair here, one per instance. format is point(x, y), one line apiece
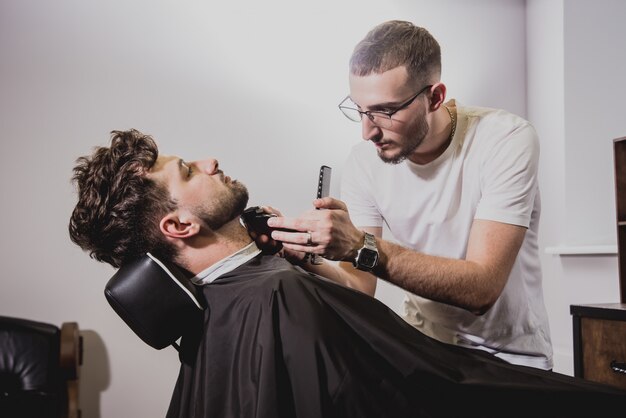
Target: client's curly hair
point(119, 208)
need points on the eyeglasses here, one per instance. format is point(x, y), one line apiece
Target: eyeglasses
point(381, 118)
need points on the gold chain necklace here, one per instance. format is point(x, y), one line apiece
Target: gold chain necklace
point(453, 121)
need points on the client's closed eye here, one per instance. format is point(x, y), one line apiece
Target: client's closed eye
point(186, 165)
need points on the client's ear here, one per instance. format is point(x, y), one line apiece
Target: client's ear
point(175, 225)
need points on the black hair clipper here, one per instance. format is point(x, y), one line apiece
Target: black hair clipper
point(255, 220)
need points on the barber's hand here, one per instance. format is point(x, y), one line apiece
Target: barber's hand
point(266, 244)
point(328, 232)
point(297, 258)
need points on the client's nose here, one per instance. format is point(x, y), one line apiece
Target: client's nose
point(209, 166)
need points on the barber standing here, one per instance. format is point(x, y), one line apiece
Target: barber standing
point(457, 188)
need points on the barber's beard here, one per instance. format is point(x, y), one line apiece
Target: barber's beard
point(225, 208)
point(412, 141)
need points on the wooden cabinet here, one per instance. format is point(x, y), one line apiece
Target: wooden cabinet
point(600, 329)
point(600, 342)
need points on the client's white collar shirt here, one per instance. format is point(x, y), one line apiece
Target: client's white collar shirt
point(225, 265)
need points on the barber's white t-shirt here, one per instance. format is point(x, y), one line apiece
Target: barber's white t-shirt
point(489, 171)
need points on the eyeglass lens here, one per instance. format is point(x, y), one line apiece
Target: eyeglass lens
point(349, 110)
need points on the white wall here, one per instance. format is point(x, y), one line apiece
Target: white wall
point(576, 63)
point(256, 85)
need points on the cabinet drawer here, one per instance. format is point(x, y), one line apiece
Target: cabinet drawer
point(603, 342)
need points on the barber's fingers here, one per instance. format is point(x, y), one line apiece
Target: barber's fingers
point(308, 235)
point(304, 240)
point(271, 210)
point(329, 233)
point(293, 224)
point(304, 249)
point(265, 243)
point(309, 220)
point(329, 203)
point(294, 257)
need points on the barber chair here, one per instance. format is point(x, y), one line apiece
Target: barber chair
point(39, 369)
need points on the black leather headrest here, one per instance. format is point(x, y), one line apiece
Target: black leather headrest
point(155, 300)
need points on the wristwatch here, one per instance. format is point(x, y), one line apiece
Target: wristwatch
point(367, 256)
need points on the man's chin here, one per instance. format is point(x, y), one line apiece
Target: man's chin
point(389, 157)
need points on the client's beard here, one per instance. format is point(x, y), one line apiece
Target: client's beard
point(225, 208)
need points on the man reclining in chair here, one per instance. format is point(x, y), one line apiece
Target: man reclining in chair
point(278, 341)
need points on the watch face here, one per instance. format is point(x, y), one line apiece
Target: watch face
point(368, 258)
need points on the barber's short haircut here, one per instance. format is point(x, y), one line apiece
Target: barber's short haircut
point(119, 208)
point(395, 43)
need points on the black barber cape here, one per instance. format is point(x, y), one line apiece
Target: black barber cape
point(280, 342)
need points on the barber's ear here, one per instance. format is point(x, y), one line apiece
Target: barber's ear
point(174, 225)
point(438, 97)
